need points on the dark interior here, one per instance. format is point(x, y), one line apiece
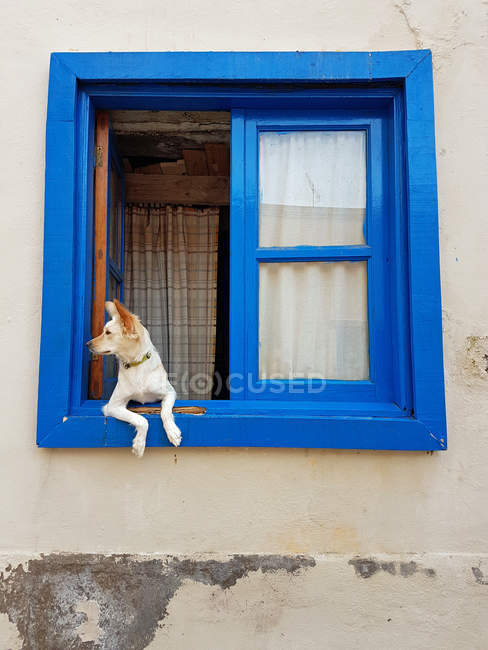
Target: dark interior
point(172, 145)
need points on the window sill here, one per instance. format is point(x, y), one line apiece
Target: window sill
point(233, 429)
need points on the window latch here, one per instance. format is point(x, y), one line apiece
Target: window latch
point(99, 156)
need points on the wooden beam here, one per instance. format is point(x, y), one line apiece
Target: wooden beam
point(177, 190)
point(173, 168)
point(99, 247)
point(167, 147)
point(192, 410)
point(159, 122)
point(196, 162)
point(150, 169)
point(218, 159)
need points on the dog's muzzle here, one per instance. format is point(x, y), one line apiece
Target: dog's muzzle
point(89, 345)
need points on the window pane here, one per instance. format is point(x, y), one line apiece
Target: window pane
point(110, 362)
point(113, 287)
point(115, 215)
point(313, 320)
point(312, 188)
point(111, 367)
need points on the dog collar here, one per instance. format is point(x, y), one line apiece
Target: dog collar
point(137, 363)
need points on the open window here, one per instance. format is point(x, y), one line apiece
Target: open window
point(161, 231)
point(311, 241)
point(316, 243)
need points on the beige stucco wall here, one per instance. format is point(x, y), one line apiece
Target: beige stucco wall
point(315, 502)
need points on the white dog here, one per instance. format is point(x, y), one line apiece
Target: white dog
point(142, 376)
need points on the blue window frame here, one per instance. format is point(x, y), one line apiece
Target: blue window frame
point(115, 252)
point(378, 391)
point(389, 96)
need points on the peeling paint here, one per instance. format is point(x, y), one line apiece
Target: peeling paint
point(112, 602)
point(389, 567)
point(479, 576)
point(407, 569)
point(89, 630)
point(476, 357)
point(367, 567)
point(9, 636)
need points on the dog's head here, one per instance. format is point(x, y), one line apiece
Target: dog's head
point(120, 334)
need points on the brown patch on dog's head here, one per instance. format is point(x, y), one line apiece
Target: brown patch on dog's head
point(127, 319)
point(130, 323)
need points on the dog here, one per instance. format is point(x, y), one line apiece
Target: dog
point(141, 377)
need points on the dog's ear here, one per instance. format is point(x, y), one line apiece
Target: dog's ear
point(111, 309)
point(128, 320)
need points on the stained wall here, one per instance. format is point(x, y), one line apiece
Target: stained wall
point(334, 549)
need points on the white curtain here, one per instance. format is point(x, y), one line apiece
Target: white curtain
point(171, 283)
point(313, 320)
point(313, 315)
point(312, 188)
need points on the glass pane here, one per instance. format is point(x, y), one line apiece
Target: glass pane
point(110, 367)
point(110, 362)
point(113, 287)
point(115, 214)
point(312, 188)
point(313, 320)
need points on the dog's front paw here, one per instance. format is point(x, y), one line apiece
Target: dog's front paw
point(138, 445)
point(174, 436)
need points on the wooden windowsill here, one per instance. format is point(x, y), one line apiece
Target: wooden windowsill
point(188, 410)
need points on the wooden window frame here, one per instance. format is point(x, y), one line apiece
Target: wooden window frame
point(104, 267)
point(402, 81)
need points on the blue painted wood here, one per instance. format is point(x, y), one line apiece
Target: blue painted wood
point(57, 297)
point(267, 407)
point(237, 310)
point(250, 244)
point(80, 82)
point(399, 269)
point(114, 268)
point(395, 65)
point(253, 431)
point(311, 253)
point(381, 349)
point(376, 229)
point(241, 66)
point(212, 97)
point(62, 91)
point(423, 228)
point(77, 431)
point(83, 218)
point(116, 272)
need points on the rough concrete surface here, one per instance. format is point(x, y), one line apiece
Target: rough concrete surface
point(111, 602)
point(360, 516)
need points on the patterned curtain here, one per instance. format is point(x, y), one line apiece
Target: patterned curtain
point(171, 283)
